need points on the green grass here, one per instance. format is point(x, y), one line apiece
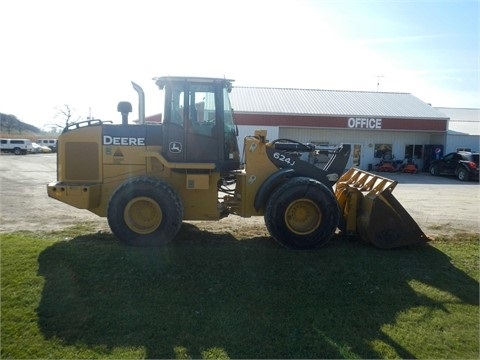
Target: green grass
point(206, 295)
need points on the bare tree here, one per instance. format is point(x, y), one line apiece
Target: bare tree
point(64, 114)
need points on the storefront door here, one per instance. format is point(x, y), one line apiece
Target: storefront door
point(356, 158)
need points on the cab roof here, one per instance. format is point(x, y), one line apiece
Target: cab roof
point(163, 80)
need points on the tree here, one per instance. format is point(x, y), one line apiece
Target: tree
point(11, 124)
point(21, 127)
point(7, 122)
point(64, 114)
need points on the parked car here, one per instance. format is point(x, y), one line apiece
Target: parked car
point(51, 143)
point(37, 149)
point(462, 164)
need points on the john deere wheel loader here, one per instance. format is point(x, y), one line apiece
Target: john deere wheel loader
point(146, 179)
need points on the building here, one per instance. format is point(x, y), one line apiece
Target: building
point(463, 129)
point(374, 123)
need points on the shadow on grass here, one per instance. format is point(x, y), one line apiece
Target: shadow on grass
point(250, 298)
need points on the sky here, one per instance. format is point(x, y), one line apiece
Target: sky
point(85, 54)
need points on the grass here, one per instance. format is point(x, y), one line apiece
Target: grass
point(72, 296)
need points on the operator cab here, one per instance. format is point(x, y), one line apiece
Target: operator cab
point(198, 122)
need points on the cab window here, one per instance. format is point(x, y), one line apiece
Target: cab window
point(177, 106)
point(201, 109)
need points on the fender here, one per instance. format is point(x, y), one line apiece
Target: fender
point(270, 184)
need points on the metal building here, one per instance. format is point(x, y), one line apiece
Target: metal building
point(374, 123)
point(463, 129)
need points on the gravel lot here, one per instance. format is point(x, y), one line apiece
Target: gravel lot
point(440, 205)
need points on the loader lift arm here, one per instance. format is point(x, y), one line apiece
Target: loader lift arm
point(281, 149)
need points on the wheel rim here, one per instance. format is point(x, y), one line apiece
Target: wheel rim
point(303, 217)
point(143, 215)
point(461, 175)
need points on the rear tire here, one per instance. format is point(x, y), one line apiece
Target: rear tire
point(145, 212)
point(302, 214)
point(463, 175)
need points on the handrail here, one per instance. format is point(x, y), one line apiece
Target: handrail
point(85, 123)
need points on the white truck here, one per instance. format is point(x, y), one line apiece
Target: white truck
point(16, 146)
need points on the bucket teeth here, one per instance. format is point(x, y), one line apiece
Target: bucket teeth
point(371, 211)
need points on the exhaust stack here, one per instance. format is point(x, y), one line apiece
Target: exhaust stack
point(141, 103)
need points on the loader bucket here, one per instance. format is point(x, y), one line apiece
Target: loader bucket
point(371, 211)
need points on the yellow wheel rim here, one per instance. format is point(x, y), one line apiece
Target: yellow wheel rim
point(303, 217)
point(143, 215)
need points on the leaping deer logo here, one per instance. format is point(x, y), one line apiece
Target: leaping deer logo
point(175, 147)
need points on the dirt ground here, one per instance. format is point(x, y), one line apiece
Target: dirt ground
point(440, 205)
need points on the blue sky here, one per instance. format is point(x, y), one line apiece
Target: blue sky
point(85, 53)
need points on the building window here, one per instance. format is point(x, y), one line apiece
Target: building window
point(383, 151)
point(414, 152)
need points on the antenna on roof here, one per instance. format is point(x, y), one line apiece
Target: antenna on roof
point(378, 80)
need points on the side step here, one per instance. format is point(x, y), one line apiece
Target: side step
point(371, 211)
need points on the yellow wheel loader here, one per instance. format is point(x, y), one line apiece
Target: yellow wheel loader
point(148, 178)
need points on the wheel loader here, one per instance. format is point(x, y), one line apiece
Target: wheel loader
point(148, 178)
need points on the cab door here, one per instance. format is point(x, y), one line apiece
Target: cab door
point(190, 123)
point(201, 129)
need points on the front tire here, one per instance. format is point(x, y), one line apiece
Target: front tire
point(434, 171)
point(145, 212)
point(302, 214)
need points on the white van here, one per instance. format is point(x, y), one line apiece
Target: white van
point(51, 143)
point(16, 146)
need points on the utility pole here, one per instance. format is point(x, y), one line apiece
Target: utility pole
point(378, 81)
